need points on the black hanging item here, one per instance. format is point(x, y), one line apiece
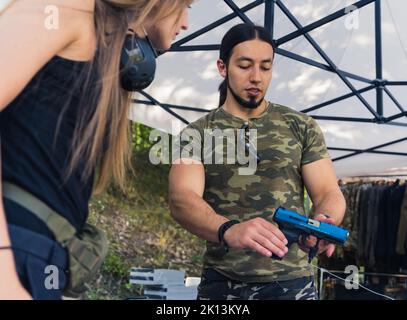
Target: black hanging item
point(137, 63)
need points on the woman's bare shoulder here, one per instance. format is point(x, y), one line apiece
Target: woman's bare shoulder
point(73, 17)
point(34, 31)
point(85, 6)
point(84, 47)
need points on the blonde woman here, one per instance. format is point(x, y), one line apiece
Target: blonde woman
point(63, 113)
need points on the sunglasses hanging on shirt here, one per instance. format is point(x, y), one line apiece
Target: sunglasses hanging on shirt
point(249, 147)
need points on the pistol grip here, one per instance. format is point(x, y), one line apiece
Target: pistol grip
point(291, 235)
point(313, 251)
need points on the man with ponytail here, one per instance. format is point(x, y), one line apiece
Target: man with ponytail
point(231, 209)
point(64, 113)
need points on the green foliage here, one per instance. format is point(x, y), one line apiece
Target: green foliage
point(140, 137)
point(115, 265)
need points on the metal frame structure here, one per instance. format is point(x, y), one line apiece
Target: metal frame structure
point(378, 84)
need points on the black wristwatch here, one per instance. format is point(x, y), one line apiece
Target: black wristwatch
point(221, 232)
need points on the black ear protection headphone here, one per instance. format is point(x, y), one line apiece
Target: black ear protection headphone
point(137, 63)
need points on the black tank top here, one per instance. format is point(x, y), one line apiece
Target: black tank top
point(33, 156)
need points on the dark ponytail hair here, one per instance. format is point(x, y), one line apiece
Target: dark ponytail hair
point(236, 35)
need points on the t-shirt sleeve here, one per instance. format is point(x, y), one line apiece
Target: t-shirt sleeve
point(314, 147)
point(188, 143)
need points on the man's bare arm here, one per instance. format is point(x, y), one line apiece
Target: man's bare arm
point(321, 183)
point(186, 187)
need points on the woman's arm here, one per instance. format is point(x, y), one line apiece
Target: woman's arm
point(10, 287)
point(28, 42)
point(26, 46)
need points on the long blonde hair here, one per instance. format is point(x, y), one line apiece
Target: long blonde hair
point(102, 133)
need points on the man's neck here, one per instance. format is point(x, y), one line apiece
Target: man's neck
point(232, 107)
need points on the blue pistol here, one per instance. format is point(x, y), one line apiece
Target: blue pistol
point(294, 225)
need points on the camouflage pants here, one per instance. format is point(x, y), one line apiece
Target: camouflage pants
point(215, 286)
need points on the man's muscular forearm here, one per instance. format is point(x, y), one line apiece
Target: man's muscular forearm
point(196, 215)
point(332, 204)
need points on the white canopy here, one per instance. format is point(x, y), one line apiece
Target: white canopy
point(191, 78)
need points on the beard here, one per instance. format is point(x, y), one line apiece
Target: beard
point(249, 104)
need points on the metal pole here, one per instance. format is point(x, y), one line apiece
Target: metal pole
point(216, 24)
point(369, 149)
point(404, 154)
point(298, 25)
point(396, 102)
point(321, 280)
point(297, 57)
point(145, 94)
point(232, 5)
point(269, 16)
point(379, 58)
point(349, 119)
point(330, 102)
point(336, 15)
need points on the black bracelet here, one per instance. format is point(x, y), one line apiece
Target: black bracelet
point(6, 248)
point(221, 232)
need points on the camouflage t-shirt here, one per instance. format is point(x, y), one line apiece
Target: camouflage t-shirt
point(286, 140)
